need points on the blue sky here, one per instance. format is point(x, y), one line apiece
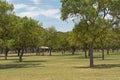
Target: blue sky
point(46, 12)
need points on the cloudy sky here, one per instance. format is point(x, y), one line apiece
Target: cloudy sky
point(46, 11)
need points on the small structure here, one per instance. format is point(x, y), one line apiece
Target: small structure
point(44, 47)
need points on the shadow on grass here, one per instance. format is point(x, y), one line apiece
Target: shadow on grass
point(114, 53)
point(79, 57)
point(66, 54)
point(35, 61)
point(24, 64)
point(102, 66)
point(14, 66)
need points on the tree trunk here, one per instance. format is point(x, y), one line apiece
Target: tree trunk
point(6, 53)
point(50, 52)
point(103, 54)
point(73, 50)
point(18, 52)
point(85, 53)
point(102, 49)
point(108, 51)
point(63, 51)
point(91, 55)
point(85, 50)
point(113, 50)
point(20, 56)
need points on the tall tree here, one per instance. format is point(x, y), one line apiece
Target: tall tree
point(6, 10)
point(26, 35)
point(72, 42)
point(50, 38)
point(92, 13)
point(62, 41)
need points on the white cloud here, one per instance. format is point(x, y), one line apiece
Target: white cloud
point(25, 7)
point(20, 6)
point(35, 11)
point(8, 0)
point(31, 8)
point(36, 1)
point(29, 14)
point(51, 13)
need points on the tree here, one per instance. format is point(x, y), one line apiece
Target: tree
point(6, 10)
point(62, 41)
point(72, 42)
point(26, 35)
point(82, 36)
point(50, 38)
point(91, 12)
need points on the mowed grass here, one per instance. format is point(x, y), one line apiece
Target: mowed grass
point(58, 67)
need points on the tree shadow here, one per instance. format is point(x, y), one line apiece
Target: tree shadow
point(8, 59)
point(23, 64)
point(35, 61)
point(79, 57)
point(13, 66)
point(97, 57)
point(104, 66)
point(114, 53)
point(100, 66)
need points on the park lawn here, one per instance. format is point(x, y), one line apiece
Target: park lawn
point(67, 67)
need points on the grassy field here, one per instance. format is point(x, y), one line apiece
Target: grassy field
point(67, 67)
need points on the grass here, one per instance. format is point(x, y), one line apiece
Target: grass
point(67, 67)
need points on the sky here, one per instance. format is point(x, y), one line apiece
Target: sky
point(46, 12)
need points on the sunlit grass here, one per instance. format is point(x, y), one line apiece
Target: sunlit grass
point(66, 67)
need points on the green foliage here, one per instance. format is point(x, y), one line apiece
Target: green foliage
point(5, 23)
point(27, 33)
point(73, 40)
point(50, 37)
point(62, 41)
point(5, 8)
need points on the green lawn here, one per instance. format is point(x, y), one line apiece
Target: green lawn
point(65, 67)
